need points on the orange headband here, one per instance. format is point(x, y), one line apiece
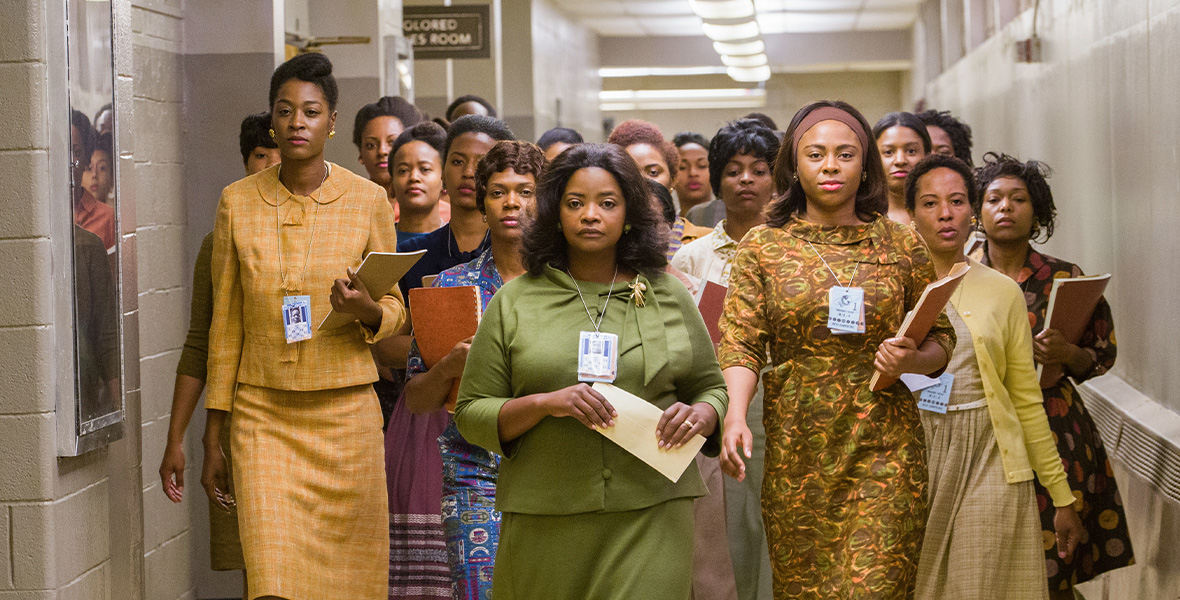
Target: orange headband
point(831, 113)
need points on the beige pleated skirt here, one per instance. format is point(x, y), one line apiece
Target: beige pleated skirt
point(309, 477)
point(983, 537)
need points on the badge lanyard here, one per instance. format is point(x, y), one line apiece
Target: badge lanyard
point(297, 309)
point(598, 353)
point(846, 304)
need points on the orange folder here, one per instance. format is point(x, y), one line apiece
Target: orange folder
point(443, 317)
point(1071, 304)
point(921, 319)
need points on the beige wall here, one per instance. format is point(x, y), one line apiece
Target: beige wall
point(565, 74)
point(1101, 110)
point(874, 93)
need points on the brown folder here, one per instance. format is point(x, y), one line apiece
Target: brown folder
point(711, 305)
point(1071, 304)
point(921, 319)
point(443, 317)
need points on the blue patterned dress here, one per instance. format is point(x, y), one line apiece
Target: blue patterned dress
point(470, 520)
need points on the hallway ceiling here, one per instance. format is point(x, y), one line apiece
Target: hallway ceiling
point(626, 18)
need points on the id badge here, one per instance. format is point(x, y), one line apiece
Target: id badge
point(297, 318)
point(936, 397)
point(846, 310)
point(598, 357)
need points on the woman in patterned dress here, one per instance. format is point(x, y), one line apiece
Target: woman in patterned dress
point(505, 185)
point(844, 490)
point(1015, 207)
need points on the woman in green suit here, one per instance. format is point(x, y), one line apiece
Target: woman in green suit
point(583, 518)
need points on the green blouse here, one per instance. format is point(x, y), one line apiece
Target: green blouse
point(527, 343)
point(194, 358)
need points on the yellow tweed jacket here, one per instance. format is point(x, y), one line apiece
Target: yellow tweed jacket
point(993, 308)
point(321, 236)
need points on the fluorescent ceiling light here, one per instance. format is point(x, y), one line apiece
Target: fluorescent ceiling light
point(739, 103)
point(722, 9)
point(754, 60)
point(754, 74)
point(740, 48)
point(680, 94)
point(613, 72)
point(731, 33)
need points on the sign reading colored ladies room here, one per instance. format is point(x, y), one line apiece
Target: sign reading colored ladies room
point(448, 31)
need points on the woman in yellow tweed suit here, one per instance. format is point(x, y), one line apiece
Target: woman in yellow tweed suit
point(309, 478)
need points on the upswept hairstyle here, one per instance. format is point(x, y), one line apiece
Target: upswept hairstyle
point(86, 135)
point(470, 98)
point(389, 106)
point(493, 127)
point(685, 138)
point(312, 67)
point(563, 135)
point(744, 136)
point(958, 131)
point(642, 249)
point(664, 196)
point(255, 132)
point(1034, 174)
point(635, 131)
point(904, 119)
point(937, 161)
point(871, 195)
point(522, 157)
point(764, 119)
point(427, 131)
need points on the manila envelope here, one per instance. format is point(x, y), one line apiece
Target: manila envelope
point(635, 431)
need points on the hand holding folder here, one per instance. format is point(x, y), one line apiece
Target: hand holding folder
point(443, 317)
point(635, 431)
point(1071, 304)
point(921, 319)
point(379, 272)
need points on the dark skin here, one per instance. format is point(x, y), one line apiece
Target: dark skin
point(593, 214)
point(302, 121)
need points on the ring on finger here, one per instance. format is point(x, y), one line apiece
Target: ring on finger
point(689, 423)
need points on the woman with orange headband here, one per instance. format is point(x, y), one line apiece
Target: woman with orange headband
point(824, 285)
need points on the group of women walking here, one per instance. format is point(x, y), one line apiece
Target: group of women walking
point(826, 236)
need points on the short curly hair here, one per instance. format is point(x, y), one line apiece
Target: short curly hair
point(312, 67)
point(958, 131)
point(643, 249)
point(745, 136)
point(255, 133)
point(491, 126)
point(1034, 174)
point(937, 161)
point(389, 106)
point(635, 131)
point(522, 157)
point(428, 132)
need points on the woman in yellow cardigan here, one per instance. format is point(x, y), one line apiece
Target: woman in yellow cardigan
point(309, 478)
point(989, 433)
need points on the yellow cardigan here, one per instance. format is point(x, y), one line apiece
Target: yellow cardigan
point(993, 308)
point(342, 222)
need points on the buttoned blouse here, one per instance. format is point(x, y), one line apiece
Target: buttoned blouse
point(260, 226)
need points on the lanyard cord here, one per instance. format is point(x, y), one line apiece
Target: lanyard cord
point(279, 225)
point(830, 270)
point(604, 304)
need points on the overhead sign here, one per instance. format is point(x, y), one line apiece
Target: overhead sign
point(448, 31)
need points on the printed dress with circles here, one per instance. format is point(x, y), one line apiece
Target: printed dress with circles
point(844, 491)
point(1107, 544)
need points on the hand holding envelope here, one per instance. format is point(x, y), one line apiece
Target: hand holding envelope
point(635, 431)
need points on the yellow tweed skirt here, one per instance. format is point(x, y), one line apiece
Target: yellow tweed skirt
point(309, 476)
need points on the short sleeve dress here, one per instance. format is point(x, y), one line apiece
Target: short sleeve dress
point(1087, 467)
point(844, 489)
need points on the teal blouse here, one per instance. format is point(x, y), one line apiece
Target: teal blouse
point(527, 343)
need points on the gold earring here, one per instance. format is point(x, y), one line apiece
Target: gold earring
point(332, 134)
point(864, 175)
point(272, 133)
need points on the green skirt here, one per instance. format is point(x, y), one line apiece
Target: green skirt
point(645, 553)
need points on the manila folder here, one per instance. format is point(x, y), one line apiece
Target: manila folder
point(635, 431)
point(379, 272)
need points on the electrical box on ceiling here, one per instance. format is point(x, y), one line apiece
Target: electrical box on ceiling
point(1028, 50)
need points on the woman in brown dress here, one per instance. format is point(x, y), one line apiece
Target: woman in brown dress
point(1016, 207)
point(843, 496)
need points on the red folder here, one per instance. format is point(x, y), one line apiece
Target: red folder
point(711, 304)
point(443, 317)
point(921, 319)
point(1071, 304)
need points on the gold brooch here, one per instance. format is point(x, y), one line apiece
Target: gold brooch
point(637, 290)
